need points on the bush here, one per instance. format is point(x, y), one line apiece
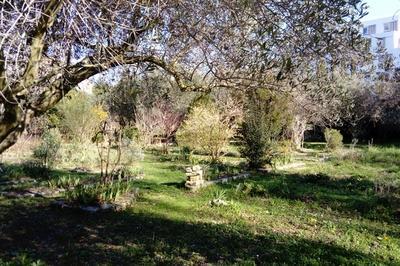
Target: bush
point(205, 130)
point(96, 194)
point(79, 153)
point(333, 138)
point(263, 123)
point(48, 150)
point(79, 117)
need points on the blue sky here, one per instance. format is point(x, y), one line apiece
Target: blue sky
point(382, 8)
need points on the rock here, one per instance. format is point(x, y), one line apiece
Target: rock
point(26, 180)
point(46, 192)
point(17, 181)
point(191, 174)
point(218, 202)
point(60, 204)
point(139, 177)
point(91, 209)
point(196, 168)
point(80, 170)
point(262, 170)
point(195, 178)
point(107, 206)
point(188, 169)
point(19, 194)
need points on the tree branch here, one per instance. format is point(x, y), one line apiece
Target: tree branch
point(37, 44)
point(3, 80)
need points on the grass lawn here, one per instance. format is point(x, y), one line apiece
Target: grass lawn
point(325, 210)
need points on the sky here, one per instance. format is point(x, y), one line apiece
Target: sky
point(382, 8)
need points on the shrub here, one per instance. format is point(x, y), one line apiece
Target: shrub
point(205, 130)
point(79, 116)
point(333, 138)
point(264, 121)
point(96, 194)
point(48, 149)
point(79, 153)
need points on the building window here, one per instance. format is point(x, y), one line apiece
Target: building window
point(390, 26)
point(381, 42)
point(371, 29)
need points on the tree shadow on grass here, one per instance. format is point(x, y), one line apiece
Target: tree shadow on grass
point(180, 185)
point(66, 237)
point(353, 195)
point(37, 172)
point(19, 178)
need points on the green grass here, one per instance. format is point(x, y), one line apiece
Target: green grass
point(327, 212)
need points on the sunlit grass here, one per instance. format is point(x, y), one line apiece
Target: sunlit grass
point(327, 211)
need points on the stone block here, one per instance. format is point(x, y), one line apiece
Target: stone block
point(195, 178)
point(191, 174)
point(188, 169)
point(196, 168)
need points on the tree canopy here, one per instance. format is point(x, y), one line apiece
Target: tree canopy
point(49, 47)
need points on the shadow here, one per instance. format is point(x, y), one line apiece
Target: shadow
point(18, 178)
point(179, 185)
point(319, 146)
point(354, 196)
point(66, 237)
point(39, 173)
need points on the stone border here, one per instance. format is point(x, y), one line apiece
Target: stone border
point(195, 180)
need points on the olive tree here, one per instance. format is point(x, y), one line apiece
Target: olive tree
point(48, 47)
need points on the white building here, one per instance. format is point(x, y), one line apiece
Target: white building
point(384, 31)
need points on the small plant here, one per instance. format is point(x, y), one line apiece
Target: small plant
point(353, 143)
point(219, 198)
point(284, 150)
point(65, 182)
point(84, 194)
point(96, 194)
point(370, 143)
point(47, 151)
point(333, 138)
point(219, 195)
point(22, 260)
point(186, 153)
